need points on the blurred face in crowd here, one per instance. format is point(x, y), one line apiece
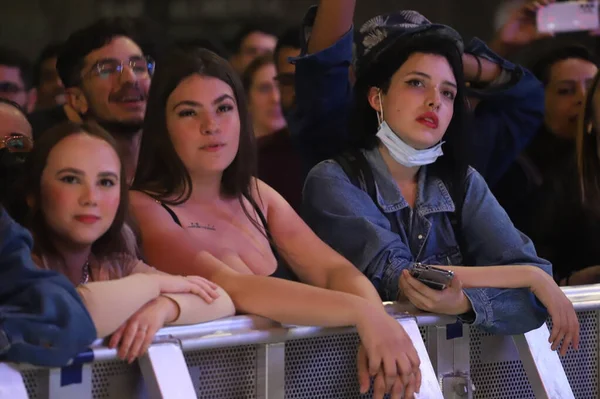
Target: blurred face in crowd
point(114, 84)
point(51, 91)
point(13, 122)
point(12, 87)
point(286, 75)
point(16, 138)
point(80, 189)
point(253, 45)
point(419, 103)
point(264, 102)
point(204, 124)
point(567, 86)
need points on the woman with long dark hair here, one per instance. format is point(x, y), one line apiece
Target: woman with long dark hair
point(77, 196)
point(403, 194)
point(201, 211)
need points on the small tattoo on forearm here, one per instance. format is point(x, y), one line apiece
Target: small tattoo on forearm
point(196, 225)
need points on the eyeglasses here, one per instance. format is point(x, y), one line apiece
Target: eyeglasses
point(142, 67)
point(16, 142)
point(10, 88)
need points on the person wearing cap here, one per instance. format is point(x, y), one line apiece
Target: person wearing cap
point(428, 206)
point(506, 100)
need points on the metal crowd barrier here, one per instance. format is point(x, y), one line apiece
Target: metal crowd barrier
point(251, 357)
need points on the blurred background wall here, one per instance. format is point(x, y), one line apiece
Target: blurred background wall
point(31, 24)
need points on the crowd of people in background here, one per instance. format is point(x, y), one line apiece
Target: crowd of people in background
point(299, 178)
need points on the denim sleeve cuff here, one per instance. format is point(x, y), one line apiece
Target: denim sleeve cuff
point(389, 288)
point(339, 53)
point(482, 308)
point(478, 48)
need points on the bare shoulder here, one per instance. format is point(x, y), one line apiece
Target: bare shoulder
point(147, 211)
point(267, 197)
point(138, 199)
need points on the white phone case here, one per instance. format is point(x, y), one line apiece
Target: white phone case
point(570, 16)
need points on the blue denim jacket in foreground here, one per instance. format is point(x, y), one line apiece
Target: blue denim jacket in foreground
point(506, 119)
point(42, 318)
point(348, 220)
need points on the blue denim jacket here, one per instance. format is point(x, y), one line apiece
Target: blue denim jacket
point(42, 318)
point(505, 120)
point(348, 220)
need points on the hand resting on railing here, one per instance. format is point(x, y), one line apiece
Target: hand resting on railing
point(565, 324)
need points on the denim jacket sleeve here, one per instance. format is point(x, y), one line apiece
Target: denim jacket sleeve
point(323, 98)
point(492, 240)
point(42, 318)
point(348, 220)
point(506, 119)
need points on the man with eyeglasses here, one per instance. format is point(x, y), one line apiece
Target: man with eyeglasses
point(107, 79)
point(16, 79)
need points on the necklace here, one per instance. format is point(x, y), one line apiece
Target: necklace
point(85, 275)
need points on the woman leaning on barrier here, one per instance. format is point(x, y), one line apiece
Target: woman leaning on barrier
point(393, 201)
point(77, 198)
point(588, 163)
point(201, 211)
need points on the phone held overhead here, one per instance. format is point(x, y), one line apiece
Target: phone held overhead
point(570, 16)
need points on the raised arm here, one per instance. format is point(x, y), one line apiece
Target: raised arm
point(332, 22)
point(509, 111)
point(323, 90)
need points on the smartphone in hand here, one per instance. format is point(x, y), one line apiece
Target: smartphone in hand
point(431, 276)
point(569, 16)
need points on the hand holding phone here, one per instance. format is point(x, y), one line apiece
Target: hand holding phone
point(570, 16)
point(431, 276)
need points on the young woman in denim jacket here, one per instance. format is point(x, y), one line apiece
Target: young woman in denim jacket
point(409, 99)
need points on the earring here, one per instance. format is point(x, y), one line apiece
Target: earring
point(380, 112)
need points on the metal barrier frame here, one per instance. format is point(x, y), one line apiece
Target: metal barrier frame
point(446, 369)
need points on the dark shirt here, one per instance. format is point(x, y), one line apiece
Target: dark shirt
point(280, 166)
point(44, 119)
point(541, 194)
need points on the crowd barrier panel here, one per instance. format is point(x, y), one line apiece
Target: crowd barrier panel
point(252, 357)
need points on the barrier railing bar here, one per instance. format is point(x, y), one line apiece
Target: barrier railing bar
point(270, 382)
point(12, 385)
point(165, 372)
point(542, 365)
point(597, 349)
point(430, 385)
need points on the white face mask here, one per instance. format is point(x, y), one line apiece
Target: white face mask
point(402, 152)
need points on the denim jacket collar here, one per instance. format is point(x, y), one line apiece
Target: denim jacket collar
point(432, 193)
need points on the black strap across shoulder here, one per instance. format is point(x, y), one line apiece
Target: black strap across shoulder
point(173, 215)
